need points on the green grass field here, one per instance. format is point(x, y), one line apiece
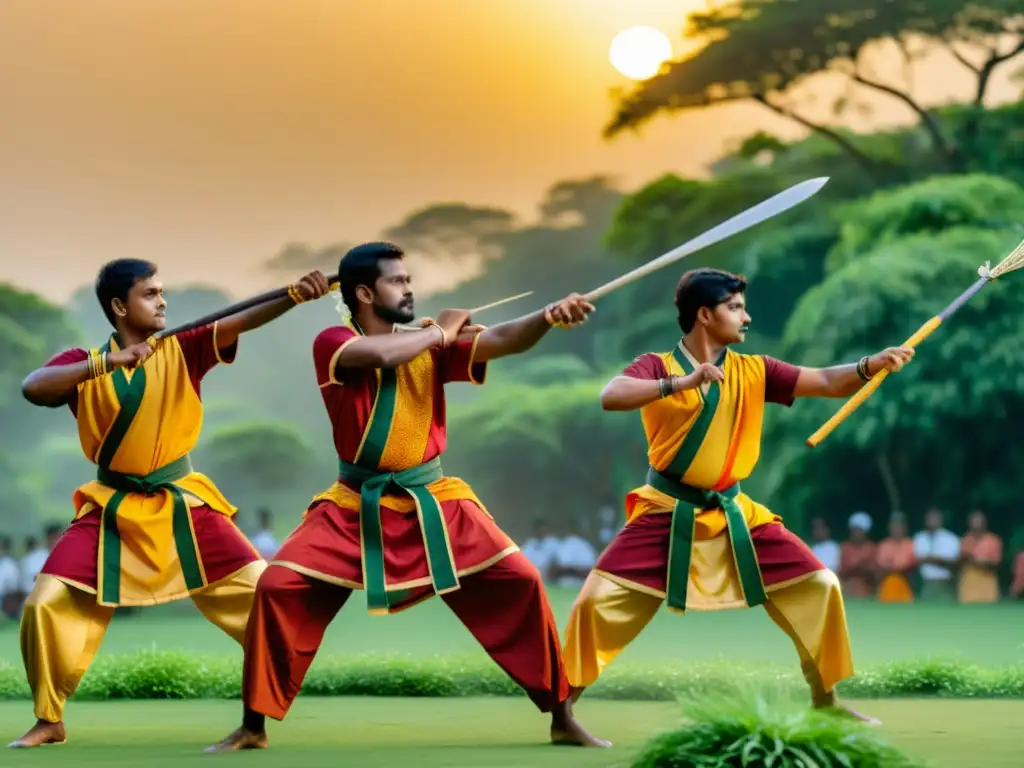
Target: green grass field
point(465, 733)
point(991, 635)
point(481, 733)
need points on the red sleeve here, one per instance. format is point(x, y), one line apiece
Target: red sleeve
point(199, 347)
point(648, 366)
point(67, 357)
point(457, 363)
point(327, 347)
point(779, 381)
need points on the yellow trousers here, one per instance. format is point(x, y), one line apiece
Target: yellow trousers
point(62, 628)
point(607, 616)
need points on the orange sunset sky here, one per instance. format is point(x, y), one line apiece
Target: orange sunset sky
point(206, 134)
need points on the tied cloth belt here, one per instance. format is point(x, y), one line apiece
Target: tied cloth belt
point(681, 538)
point(162, 479)
point(414, 481)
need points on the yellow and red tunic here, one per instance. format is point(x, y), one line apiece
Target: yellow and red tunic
point(393, 524)
point(149, 529)
point(691, 513)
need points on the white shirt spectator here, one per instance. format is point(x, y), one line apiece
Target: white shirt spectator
point(828, 552)
point(574, 552)
point(265, 544)
point(940, 543)
point(608, 517)
point(10, 576)
point(31, 565)
point(540, 552)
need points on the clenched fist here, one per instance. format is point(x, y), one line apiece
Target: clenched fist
point(891, 359)
point(313, 286)
point(569, 312)
point(130, 357)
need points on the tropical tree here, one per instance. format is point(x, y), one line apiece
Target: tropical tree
point(766, 51)
point(936, 432)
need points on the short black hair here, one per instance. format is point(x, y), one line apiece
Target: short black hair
point(5, 542)
point(704, 287)
point(116, 278)
point(53, 529)
point(361, 266)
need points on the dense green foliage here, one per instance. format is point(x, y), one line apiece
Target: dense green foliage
point(178, 675)
point(735, 732)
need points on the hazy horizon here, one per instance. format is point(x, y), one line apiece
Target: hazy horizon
point(208, 136)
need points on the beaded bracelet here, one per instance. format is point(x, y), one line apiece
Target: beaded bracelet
point(295, 294)
point(862, 369)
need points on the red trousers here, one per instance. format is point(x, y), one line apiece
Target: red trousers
point(504, 607)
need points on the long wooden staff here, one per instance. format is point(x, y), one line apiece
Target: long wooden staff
point(280, 293)
point(1012, 262)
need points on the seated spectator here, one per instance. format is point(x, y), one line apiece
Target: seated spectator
point(1017, 586)
point(896, 562)
point(981, 554)
point(857, 558)
point(824, 547)
point(937, 551)
point(10, 581)
point(574, 557)
point(31, 563)
point(540, 549)
point(264, 540)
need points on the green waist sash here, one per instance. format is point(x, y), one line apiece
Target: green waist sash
point(682, 535)
point(162, 479)
point(414, 481)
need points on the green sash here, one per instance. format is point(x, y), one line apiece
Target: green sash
point(373, 483)
point(681, 536)
point(129, 396)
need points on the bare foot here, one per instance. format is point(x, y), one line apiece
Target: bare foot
point(240, 739)
point(40, 734)
point(829, 703)
point(566, 730)
point(844, 711)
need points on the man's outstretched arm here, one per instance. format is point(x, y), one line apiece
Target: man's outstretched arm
point(845, 380)
point(519, 335)
point(312, 286)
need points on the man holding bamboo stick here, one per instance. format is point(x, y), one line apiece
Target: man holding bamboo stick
point(149, 529)
point(393, 524)
point(692, 537)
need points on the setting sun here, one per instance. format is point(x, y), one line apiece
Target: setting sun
point(639, 52)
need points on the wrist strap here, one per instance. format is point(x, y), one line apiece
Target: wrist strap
point(427, 323)
point(862, 369)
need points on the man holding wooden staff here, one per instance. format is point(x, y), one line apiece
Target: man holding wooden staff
point(393, 524)
point(692, 537)
point(149, 529)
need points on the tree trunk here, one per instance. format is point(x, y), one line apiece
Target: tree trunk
point(892, 490)
point(865, 161)
point(972, 124)
point(943, 146)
